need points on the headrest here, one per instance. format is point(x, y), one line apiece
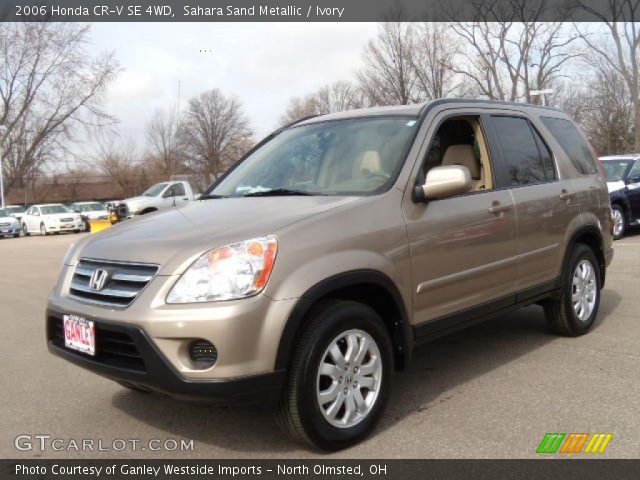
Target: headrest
point(462, 155)
point(369, 163)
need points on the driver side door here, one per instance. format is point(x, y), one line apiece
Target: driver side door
point(633, 191)
point(462, 247)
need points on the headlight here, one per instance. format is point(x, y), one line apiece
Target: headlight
point(230, 272)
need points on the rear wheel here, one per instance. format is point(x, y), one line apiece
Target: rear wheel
point(619, 222)
point(574, 311)
point(339, 378)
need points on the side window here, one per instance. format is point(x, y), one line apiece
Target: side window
point(520, 151)
point(461, 141)
point(178, 189)
point(546, 156)
point(634, 173)
point(573, 144)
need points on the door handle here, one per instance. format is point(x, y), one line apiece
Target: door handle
point(565, 195)
point(497, 207)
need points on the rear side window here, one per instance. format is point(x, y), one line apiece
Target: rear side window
point(573, 144)
point(521, 152)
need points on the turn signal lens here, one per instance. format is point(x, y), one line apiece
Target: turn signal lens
point(230, 272)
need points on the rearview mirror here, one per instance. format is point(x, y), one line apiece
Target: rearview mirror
point(446, 181)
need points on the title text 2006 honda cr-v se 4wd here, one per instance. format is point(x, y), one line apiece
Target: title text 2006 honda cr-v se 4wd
point(310, 270)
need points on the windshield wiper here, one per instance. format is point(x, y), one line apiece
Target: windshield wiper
point(277, 192)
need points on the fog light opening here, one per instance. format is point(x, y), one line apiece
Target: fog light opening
point(203, 354)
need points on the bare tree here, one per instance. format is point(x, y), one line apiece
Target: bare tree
point(619, 46)
point(49, 86)
point(388, 77)
point(337, 97)
point(120, 160)
point(507, 59)
point(433, 59)
point(608, 118)
point(215, 132)
point(166, 149)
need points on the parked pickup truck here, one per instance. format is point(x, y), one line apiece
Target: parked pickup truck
point(158, 197)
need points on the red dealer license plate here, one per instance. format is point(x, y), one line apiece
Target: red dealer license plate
point(79, 334)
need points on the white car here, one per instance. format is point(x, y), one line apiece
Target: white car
point(9, 225)
point(158, 197)
point(90, 211)
point(51, 218)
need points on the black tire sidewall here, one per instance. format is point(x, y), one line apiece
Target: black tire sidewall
point(334, 322)
point(582, 252)
point(624, 221)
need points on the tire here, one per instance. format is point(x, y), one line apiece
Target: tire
point(17, 235)
point(43, 230)
point(24, 230)
point(619, 221)
point(300, 413)
point(563, 318)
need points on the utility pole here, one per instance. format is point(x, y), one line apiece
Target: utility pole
point(3, 132)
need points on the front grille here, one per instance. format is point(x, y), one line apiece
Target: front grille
point(124, 283)
point(66, 219)
point(5, 224)
point(113, 348)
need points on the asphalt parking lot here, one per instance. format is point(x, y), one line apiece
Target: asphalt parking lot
point(491, 391)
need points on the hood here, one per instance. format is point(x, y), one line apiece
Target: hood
point(173, 237)
point(613, 186)
point(7, 219)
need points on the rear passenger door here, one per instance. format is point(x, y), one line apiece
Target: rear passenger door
point(544, 203)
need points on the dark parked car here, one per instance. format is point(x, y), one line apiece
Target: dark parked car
point(623, 181)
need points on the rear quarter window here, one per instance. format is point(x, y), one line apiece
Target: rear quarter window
point(572, 142)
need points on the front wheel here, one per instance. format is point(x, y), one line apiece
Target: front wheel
point(339, 378)
point(574, 311)
point(619, 222)
point(43, 229)
point(24, 230)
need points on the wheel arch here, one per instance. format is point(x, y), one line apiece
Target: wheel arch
point(370, 287)
point(148, 210)
point(591, 236)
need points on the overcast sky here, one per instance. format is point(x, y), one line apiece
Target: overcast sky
point(263, 64)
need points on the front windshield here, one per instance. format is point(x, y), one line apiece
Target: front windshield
point(155, 190)
point(343, 157)
point(4, 212)
point(615, 170)
point(50, 209)
point(90, 207)
point(16, 209)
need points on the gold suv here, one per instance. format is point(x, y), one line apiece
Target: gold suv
point(309, 271)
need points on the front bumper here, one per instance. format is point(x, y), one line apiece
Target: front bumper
point(125, 353)
point(8, 231)
point(65, 227)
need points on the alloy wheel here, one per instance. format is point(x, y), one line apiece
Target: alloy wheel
point(584, 290)
point(349, 378)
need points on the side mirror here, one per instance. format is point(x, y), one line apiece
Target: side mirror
point(445, 181)
point(635, 179)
